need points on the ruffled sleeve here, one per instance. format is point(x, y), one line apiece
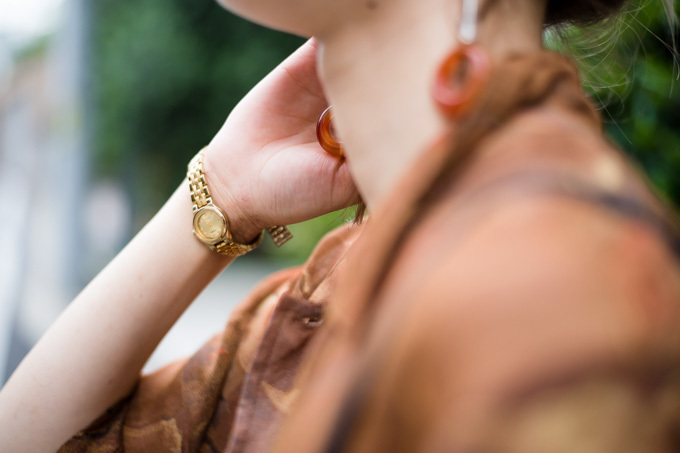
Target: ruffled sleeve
point(188, 405)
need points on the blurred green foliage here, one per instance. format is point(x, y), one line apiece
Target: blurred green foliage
point(166, 74)
point(630, 68)
point(645, 117)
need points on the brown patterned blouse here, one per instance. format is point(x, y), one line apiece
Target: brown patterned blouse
point(519, 293)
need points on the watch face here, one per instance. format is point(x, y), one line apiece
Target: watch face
point(210, 224)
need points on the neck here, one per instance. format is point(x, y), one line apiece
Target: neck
point(378, 72)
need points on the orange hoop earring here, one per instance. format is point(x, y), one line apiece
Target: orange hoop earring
point(461, 79)
point(324, 133)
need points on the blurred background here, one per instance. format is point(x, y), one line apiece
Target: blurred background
point(103, 102)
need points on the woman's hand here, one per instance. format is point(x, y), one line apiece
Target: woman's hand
point(265, 166)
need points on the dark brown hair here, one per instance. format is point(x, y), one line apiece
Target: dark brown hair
point(581, 11)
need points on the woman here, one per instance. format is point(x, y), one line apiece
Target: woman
point(515, 288)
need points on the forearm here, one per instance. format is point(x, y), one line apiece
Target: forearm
point(92, 355)
point(268, 170)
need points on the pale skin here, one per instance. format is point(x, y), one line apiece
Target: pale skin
point(264, 167)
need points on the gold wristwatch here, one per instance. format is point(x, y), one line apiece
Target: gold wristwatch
point(211, 224)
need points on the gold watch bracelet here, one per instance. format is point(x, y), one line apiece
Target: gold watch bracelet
point(201, 198)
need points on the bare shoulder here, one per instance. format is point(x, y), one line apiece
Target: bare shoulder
point(532, 294)
point(549, 269)
point(562, 247)
point(544, 296)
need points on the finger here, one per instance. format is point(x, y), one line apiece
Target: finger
point(302, 69)
point(305, 55)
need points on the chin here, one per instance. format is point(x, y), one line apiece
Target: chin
point(282, 15)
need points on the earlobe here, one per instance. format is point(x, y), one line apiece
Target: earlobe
point(461, 79)
point(464, 73)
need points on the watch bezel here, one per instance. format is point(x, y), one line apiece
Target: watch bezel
point(200, 234)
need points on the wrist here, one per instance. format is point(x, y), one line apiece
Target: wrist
point(242, 224)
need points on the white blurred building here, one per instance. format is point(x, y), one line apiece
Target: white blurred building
point(42, 180)
point(56, 222)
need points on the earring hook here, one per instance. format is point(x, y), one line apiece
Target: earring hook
point(467, 32)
